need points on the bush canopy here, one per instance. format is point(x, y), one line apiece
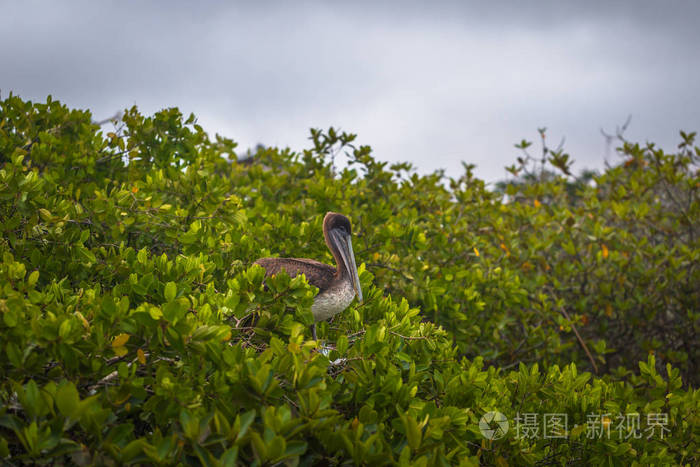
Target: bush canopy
point(551, 321)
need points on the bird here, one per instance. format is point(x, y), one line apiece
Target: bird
point(337, 286)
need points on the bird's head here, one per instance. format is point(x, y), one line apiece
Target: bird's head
point(338, 233)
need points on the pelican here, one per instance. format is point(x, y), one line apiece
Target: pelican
point(337, 286)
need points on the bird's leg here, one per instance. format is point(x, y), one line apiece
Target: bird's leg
point(313, 331)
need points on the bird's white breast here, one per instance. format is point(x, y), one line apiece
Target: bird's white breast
point(333, 301)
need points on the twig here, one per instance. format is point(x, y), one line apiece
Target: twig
point(410, 338)
point(114, 118)
point(580, 340)
point(380, 265)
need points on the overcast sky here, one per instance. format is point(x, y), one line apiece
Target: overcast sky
point(433, 84)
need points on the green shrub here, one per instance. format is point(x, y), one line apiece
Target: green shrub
point(126, 287)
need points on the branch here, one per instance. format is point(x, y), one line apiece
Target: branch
point(580, 340)
point(114, 119)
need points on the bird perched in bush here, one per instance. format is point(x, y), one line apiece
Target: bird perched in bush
point(337, 286)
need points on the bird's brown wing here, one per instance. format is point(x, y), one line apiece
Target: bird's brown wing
point(317, 274)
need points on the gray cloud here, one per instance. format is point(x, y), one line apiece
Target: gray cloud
point(432, 85)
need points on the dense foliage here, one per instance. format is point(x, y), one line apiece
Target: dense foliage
point(126, 283)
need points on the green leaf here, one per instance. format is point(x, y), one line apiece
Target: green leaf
point(413, 432)
point(4, 449)
point(33, 278)
point(170, 291)
point(85, 255)
point(142, 256)
point(245, 421)
point(67, 399)
point(229, 457)
point(189, 423)
point(295, 448)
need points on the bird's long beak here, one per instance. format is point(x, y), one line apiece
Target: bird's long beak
point(345, 246)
